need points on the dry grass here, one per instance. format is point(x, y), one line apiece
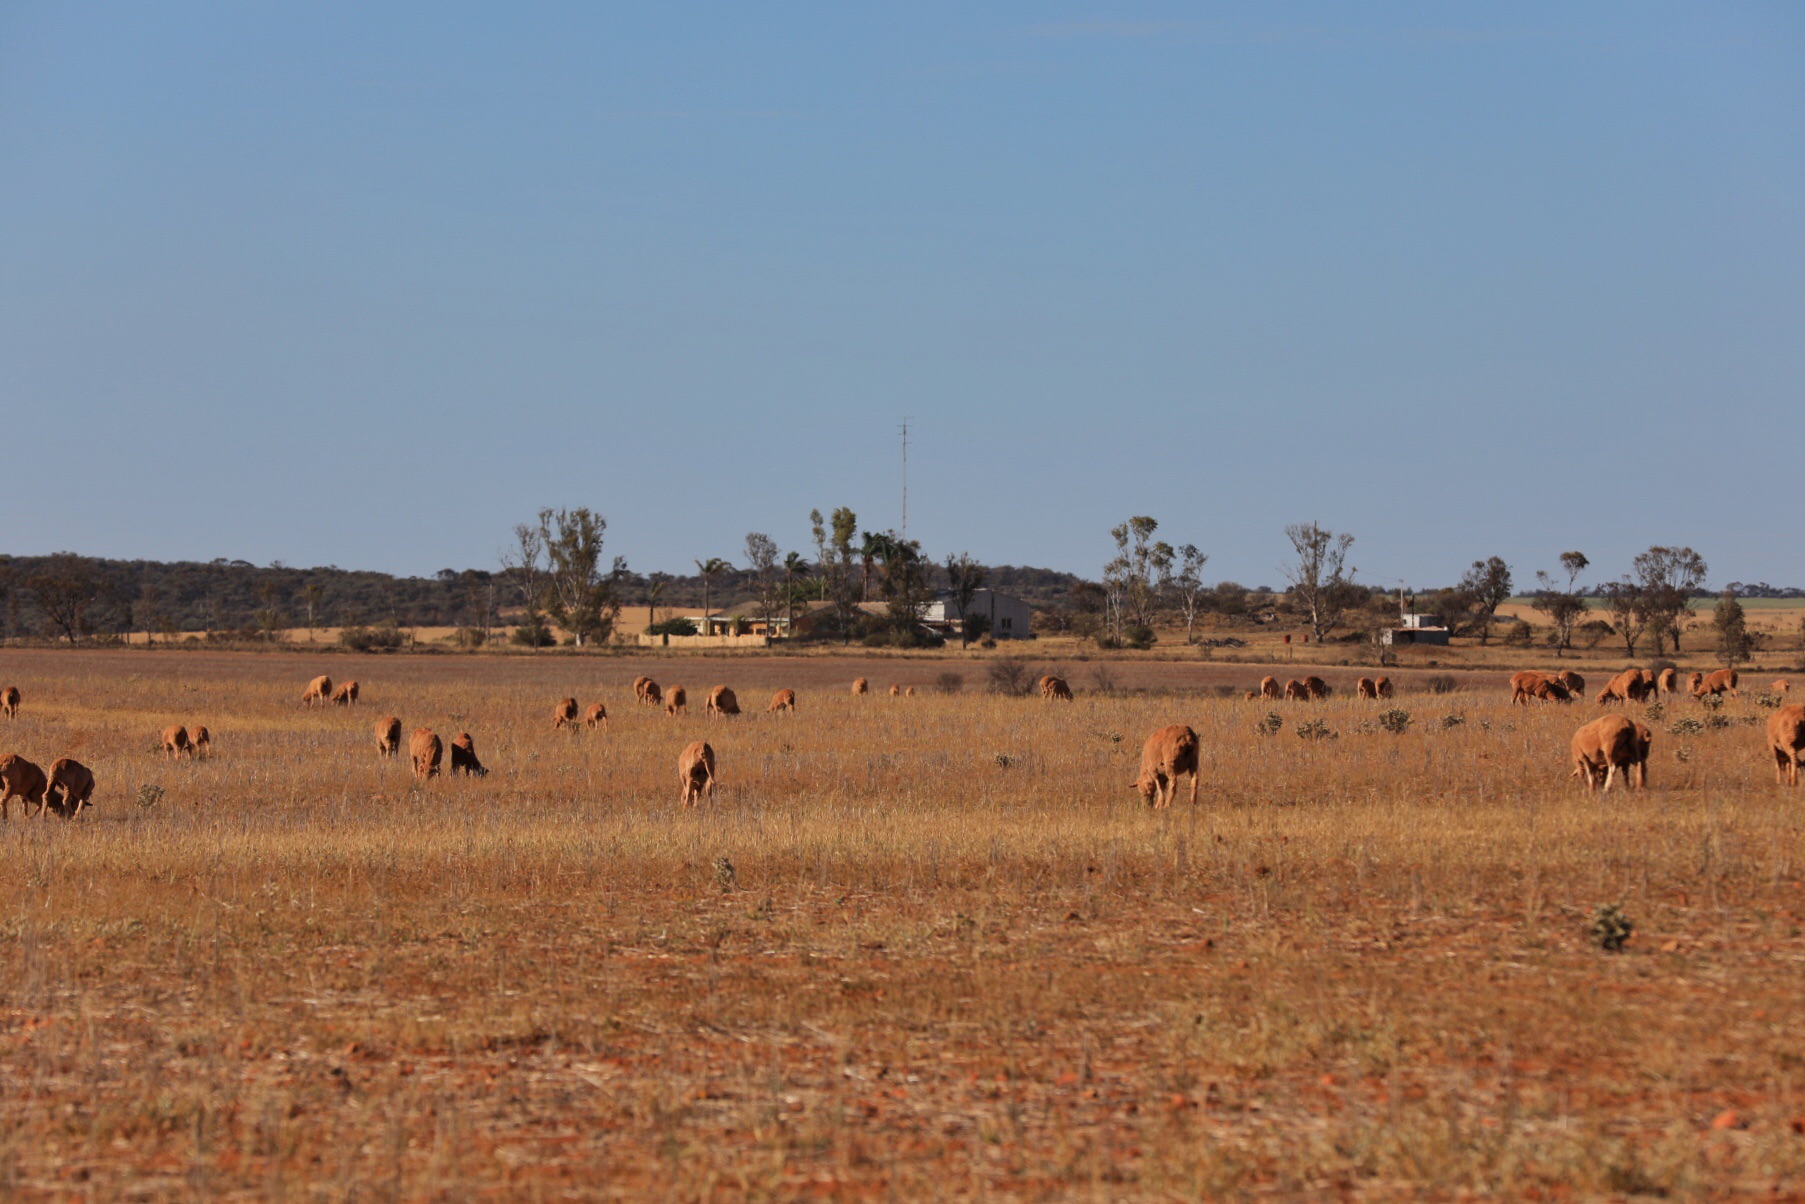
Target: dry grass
point(927, 946)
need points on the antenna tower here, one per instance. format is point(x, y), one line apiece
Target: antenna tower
point(905, 478)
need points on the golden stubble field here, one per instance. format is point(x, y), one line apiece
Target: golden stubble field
point(924, 947)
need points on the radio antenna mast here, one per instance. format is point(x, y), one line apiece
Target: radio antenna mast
point(905, 477)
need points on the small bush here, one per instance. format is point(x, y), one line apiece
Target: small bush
point(674, 626)
point(1711, 702)
point(532, 637)
point(1396, 721)
point(468, 637)
point(1272, 725)
point(1611, 929)
point(1440, 683)
point(1452, 720)
point(386, 638)
point(1315, 729)
point(1138, 637)
point(1656, 711)
point(1767, 700)
point(1519, 635)
point(1687, 726)
point(950, 683)
point(149, 794)
point(1011, 677)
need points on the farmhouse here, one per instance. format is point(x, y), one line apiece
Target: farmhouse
point(1417, 629)
point(1009, 618)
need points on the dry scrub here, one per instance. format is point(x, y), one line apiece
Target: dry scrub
point(917, 946)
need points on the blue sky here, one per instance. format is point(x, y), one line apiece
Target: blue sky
point(367, 284)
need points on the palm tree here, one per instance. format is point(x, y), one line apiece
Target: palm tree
point(711, 568)
point(652, 597)
point(793, 566)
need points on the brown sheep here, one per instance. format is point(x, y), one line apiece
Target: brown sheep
point(425, 752)
point(1786, 739)
point(895, 690)
point(1606, 747)
point(388, 736)
point(1693, 682)
point(1721, 681)
point(200, 740)
point(175, 742)
point(1627, 686)
point(908, 691)
point(1269, 687)
point(860, 686)
point(345, 695)
point(783, 700)
point(648, 693)
point(1576, 685)
point(1316, 687)
point(9, 702)
point(639, 686)
point(22, 780)
point(1384, 684)
point(1252, 696)
point(318, 690)
point(721, 701)
point(1169, 752)
point(71, 787)
point(463, 757)
point(676, 702)
point(1780, 686)
point(1667, 681)
point(596, 715)
point(1294, 689)
point(1530, 684)
point(1366, 687)
point(1055, 689)
point(565, 714)
point(1041, 685)
point(695, 771)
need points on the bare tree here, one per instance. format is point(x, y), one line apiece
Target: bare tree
point(311, 596)
point(1137, 573)
point(1488, 584)
point(1667, 577)
point(1187, 583)
point(578, 595)
point(1564, 607)
point(761, 562)
point(524, 567)
point(965, 577)
point(1320, 580)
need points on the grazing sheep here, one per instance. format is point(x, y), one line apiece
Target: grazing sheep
point(676, 702)
point(1786, 740)
point(345, 695)
point(1169, 752)
point(22, 780)
point(388, 736)
point(200, 740)
point(695, 771)
point(860, 686)
point(1667, 681)
point(1576, 685)
point(721, 701)
point(425, 751)
point(1608, 746)
point(1316, 687)
point(9, 702)
point(1721, 681)
point(1384, 686)
point(71, 787)
point(1055, 689)
point(647, 691)
point(596, 715)
point(463, 757)
point(175, 742)
point(1269, 687)
point(565, 714)
point(783, 700)
point(1627, 686)
point(318, 690)
point(1366, 687)
point(1295, 690)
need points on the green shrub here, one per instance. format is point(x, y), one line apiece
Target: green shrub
point(532, 637)
point(677, 626)
point(386, 638)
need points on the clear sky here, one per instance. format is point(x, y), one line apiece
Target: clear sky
point(367, 284)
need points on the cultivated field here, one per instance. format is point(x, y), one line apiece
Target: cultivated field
point(917, 947)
